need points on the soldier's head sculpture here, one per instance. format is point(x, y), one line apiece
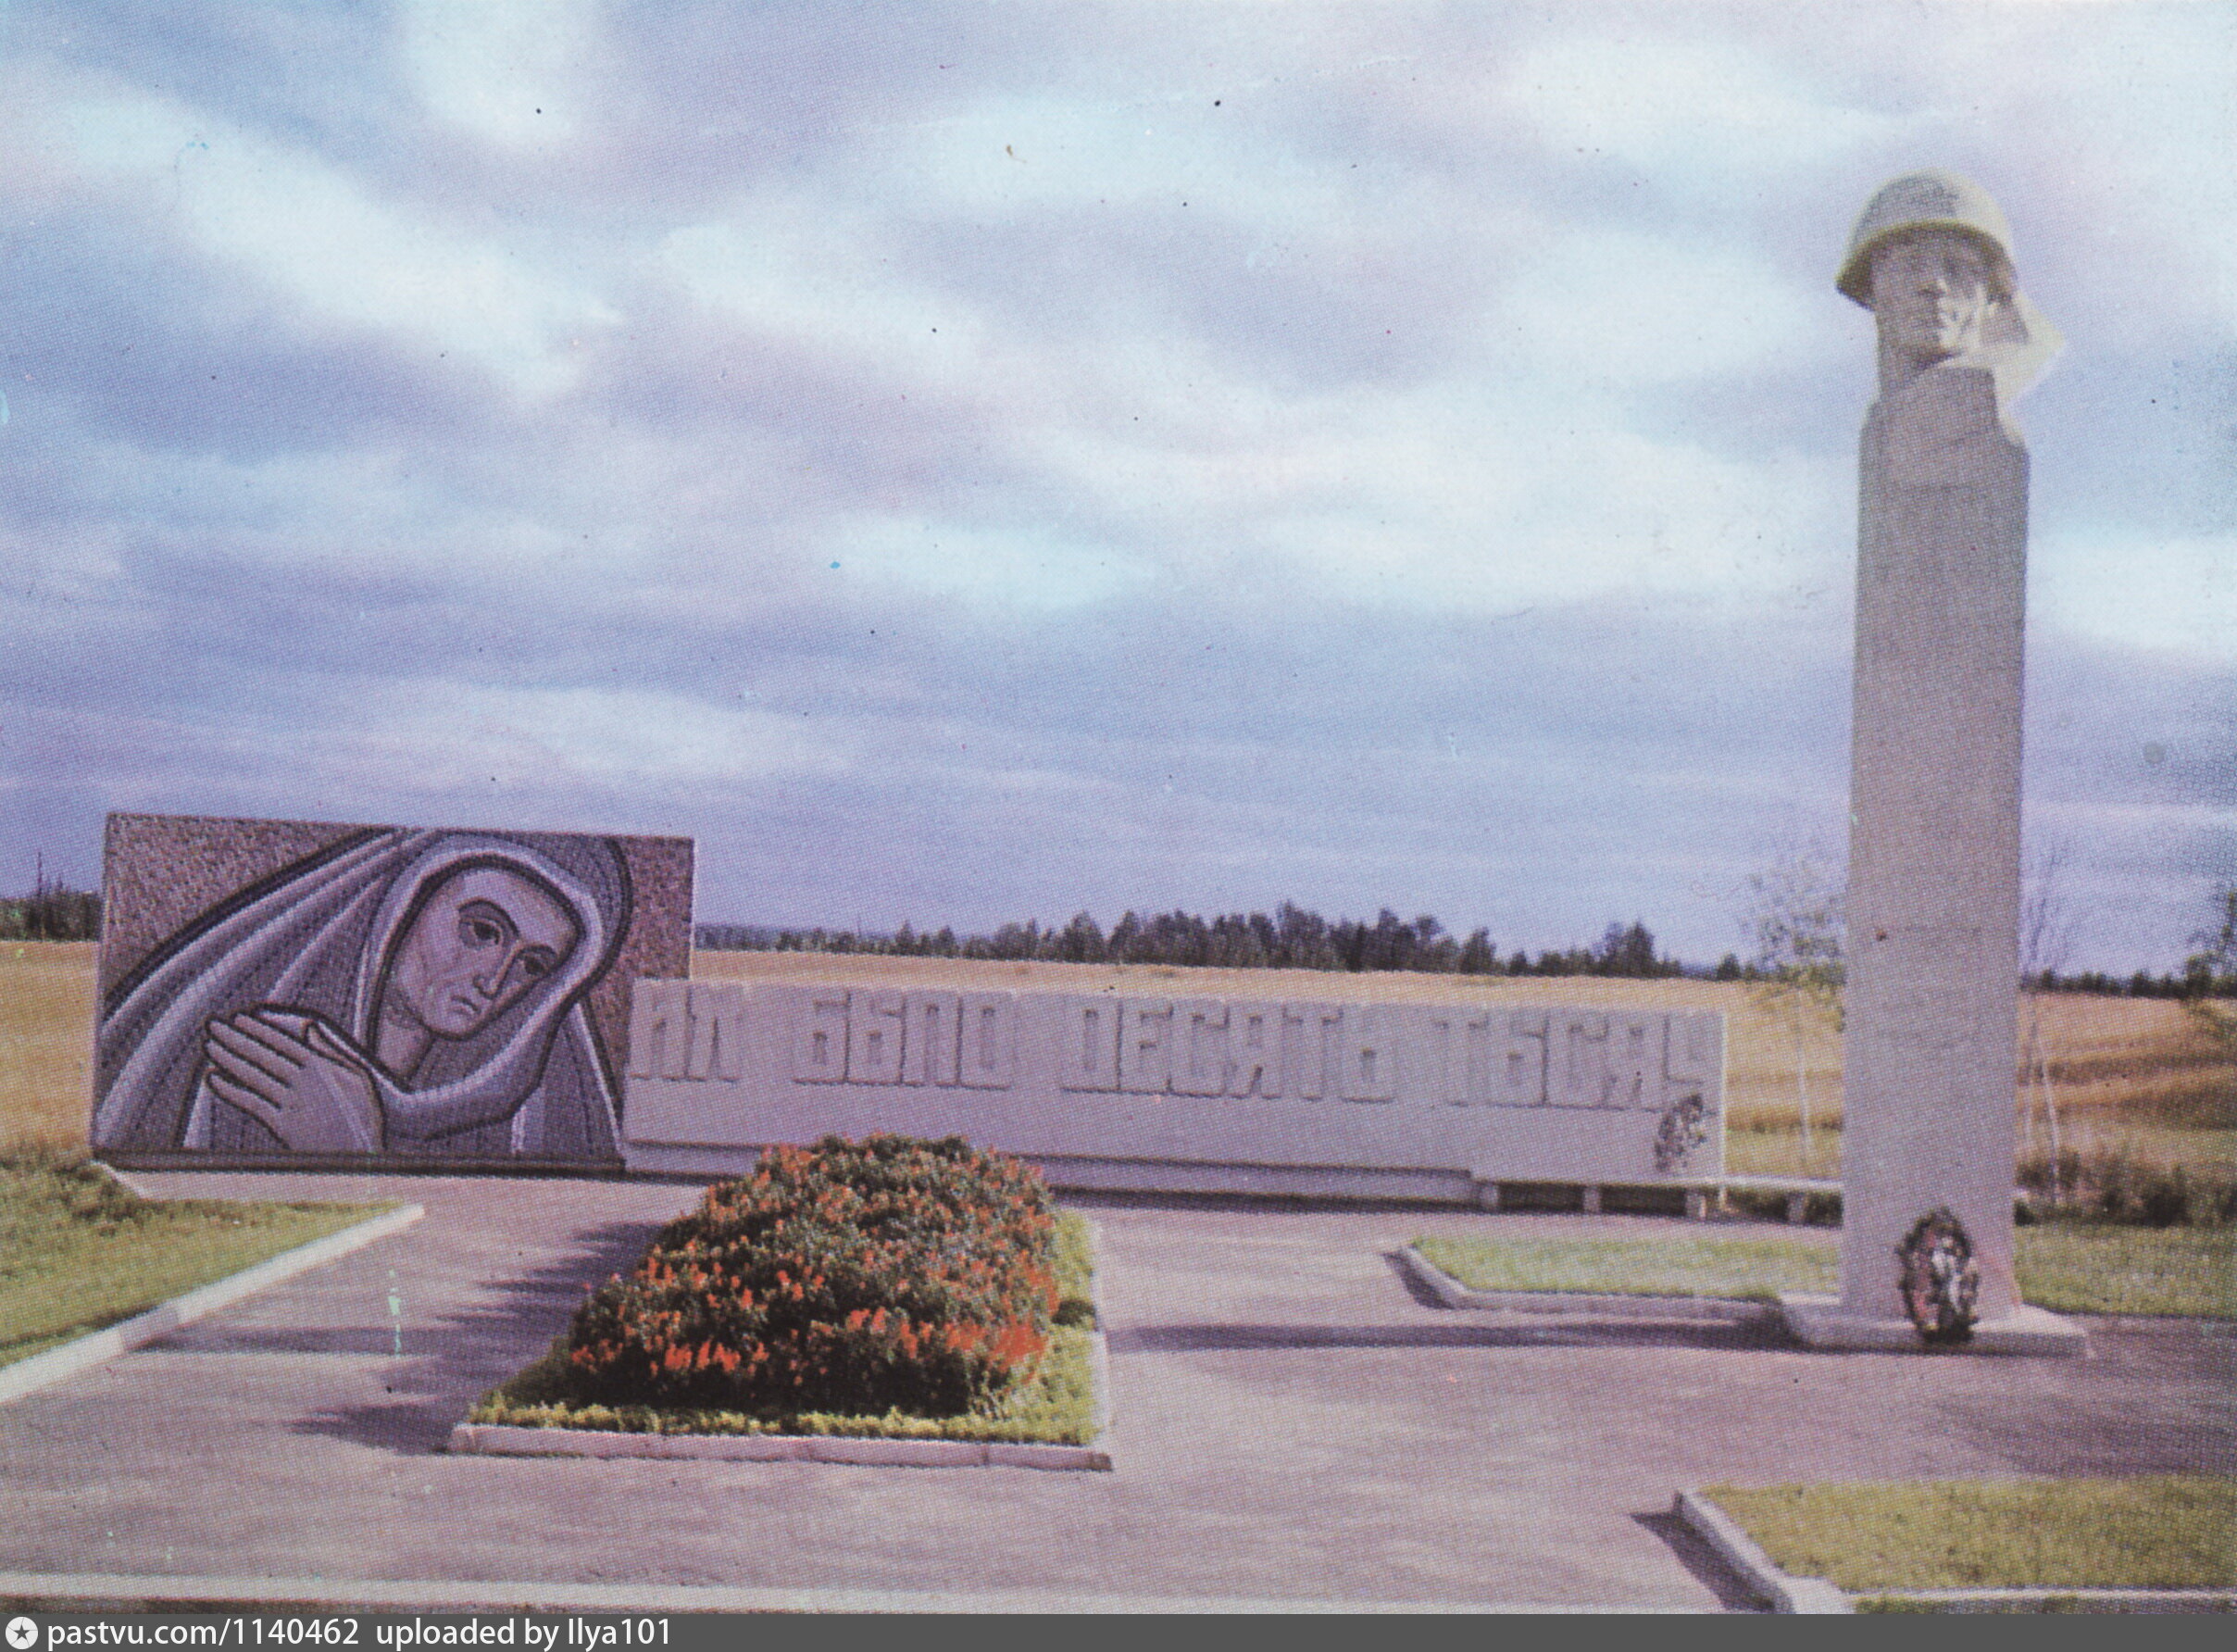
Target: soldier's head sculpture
point(1931, 258)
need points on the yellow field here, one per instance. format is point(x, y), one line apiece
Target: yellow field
point(2143, 1072)
point(46, 1042)
point(2144, 1061)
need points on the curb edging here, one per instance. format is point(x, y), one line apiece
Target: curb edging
point(490, 1439)
point(1451, 1292)
point(97, 1348)
point(1098, 1348)
point(1802, 1596)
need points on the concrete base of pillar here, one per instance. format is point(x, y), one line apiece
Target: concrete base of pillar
point(1818, 1323)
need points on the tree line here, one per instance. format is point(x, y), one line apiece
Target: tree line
point(1293, 938)
point(2194, 982)
point(1290, 938)
point(52, 911)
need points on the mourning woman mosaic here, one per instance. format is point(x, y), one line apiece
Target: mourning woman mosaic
point(400, 992)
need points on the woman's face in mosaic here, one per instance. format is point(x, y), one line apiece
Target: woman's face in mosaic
point(482, 938)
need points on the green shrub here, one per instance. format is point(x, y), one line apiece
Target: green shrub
point(1818, 1209)
point(890, 1274)
point(2113, 1185)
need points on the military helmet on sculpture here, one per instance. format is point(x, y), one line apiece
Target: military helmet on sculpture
point(1933, 199)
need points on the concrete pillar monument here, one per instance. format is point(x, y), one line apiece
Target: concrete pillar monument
point(1933, 902)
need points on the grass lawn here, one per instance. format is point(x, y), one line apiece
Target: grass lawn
point(1706, 1266)
point(2093, 1268)
point(77, 1252)
point(2071, 1266)
point(2171, 1532)
point(1058, 1406)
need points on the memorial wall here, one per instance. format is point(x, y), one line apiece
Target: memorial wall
point(1182, 1094)
point(306, 993)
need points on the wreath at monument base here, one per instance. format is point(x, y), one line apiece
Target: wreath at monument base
point(1684, 1127)
point(1941, 1283)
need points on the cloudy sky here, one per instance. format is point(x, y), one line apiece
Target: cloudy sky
point(973, 462)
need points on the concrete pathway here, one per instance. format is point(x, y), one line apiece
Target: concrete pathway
point(1293, 1422)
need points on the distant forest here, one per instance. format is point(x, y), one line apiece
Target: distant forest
point(1293, 938)
point(52, 911)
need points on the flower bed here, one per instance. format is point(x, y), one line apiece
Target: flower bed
point(889, 1288)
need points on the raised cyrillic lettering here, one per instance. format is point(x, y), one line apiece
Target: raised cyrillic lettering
point(659, 1029)
point(1458, 1060)
point(929, 1046)
point(1576, 1051)
point(820, 1037)
point(1145, 1039)
point(1254, 1049)
point(874, 1029)
point(1370, 1056)
point(717, 1030)
point(1519, 1061)
point(987, 1057)
point(1200, 1056)
point(1312, 1060)
point(1087, 1051)
point(1634, 1075)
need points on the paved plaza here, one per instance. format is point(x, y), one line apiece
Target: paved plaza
point(1293, 1422)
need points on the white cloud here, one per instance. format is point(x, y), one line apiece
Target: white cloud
point(78, 565)
point(513, 72)
point(354, 512)
point(1627, 309)
point(1461, 492)
point(1666, 103)
point(1009, 568)
point(1007, 156)
point(790, 271)
point(312, 232)
point(1169, 421)
point(440, 734)
point(1601, 513)
point(2174, 595)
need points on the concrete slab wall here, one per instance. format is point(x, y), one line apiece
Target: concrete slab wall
point(1182, 1094)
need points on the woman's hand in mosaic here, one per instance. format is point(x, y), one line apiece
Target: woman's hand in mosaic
point(297, 1076)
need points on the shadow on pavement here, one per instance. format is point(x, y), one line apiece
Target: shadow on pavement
point(450, 1363)
point(1294, 1204)
point(1708, 1566)
point(2065, 1436)
point(1629, 1334)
